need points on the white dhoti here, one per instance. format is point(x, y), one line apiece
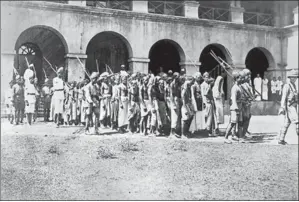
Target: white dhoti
point(219, 111)
point(147, 105)
point(52, 109)
point(74, 111)
point(123, 112)
point(198, 122)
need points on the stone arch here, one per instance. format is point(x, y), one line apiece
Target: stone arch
point(50, 44)
point(166, 48)
point(109, 48)
point(259, 60)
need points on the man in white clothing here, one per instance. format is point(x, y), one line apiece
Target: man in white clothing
point(58, 95)
point(258, 87)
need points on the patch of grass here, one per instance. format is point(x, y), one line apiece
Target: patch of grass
point(105, 152)
point(54, 150)
point(128, 146)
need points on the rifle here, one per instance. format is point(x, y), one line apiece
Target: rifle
point(28, 65)
point(82, 66)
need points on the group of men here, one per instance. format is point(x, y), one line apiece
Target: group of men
point(166, 104)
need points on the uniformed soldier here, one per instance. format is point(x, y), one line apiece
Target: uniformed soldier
point(30, 99)
point(18, 100)
point(235, 106)
point(58, 96)
point(289, 105)
point(46, 95)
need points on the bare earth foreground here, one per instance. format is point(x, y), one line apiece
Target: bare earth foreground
point(45, 163)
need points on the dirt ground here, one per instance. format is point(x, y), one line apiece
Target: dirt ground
point(44, 163)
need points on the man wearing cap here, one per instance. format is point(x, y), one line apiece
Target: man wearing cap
point(30, 99)
point(145, 105)
point(114, 102)
point(18, 99)
point(187, 108)
point(46, 95)
point(289, 106)
point(58, 96)
point(123, 71)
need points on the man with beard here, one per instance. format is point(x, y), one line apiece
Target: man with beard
point(187, 108)
point(175, 106)
point(18, 99)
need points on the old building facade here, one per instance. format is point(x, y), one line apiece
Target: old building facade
point(146, 35)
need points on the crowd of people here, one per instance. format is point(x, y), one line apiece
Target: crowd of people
point(170, 103)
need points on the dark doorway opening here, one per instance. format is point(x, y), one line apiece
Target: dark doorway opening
point(257, 62)
point(210, 65)
point(36, 43)
point(166, 55)
point(107, 50)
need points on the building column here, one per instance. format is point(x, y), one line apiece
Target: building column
point(7, 65)
point(295, 11)
point(236, 12)
point(138, 65)
point(191, 9)
point(277, 14)
point(140, 6)
point(74, 69)
point(190, 67)
point(77, 3)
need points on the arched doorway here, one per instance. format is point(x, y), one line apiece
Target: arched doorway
point(107, 48)
point(166, 54)
point(210, 65)
point(258, 60)
point(38, 42)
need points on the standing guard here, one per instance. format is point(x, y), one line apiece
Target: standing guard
point(289, 106)
point(134, 106)
point(219, 98)
point(18, 99)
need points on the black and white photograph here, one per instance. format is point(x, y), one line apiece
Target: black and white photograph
point(149, 100)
